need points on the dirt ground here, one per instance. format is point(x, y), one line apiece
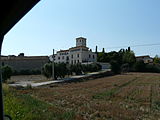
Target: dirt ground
point(132, 96)
point(34, 78)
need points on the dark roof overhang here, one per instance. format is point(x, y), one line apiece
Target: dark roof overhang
point(12, 11)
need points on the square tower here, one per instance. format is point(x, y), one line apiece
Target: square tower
point(81, 41)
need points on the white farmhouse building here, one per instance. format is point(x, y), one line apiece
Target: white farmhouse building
point(146, 59)
point(78, 54)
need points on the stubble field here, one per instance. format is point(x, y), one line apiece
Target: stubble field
point(133, 96)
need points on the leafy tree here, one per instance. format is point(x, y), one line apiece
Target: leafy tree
point(95, 67)
point(61, 70)
point(101, 57)
point(77, 68)
point(6, 72)
point(115, 67)
point(125, 68)
point(47, 70)
point(140, 66)
point(115, 56)
point(129, 57)
point(156, 59)
point(155, 68)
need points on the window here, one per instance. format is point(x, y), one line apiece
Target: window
point(67, 58)
point(62, 57)
point(71, 56)
point(89, 56)
point(77, 61)
point(59, 58)
point(78, 55)
point(93, 56)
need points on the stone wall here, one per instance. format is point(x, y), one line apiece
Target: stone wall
point(25, 63)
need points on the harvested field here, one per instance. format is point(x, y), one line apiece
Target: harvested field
point(133, 96)
point(24, 78)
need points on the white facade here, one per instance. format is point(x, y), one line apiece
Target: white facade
point(78, 54)
point(81, 41)
point(62, 56)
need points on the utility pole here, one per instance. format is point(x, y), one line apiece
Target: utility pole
point(53, 65)
point(1, 91)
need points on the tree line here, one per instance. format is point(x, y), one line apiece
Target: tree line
point(62, 69)
point(125, 61)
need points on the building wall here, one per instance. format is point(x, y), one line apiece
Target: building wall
point(75, 56)
point(62, 57)
point(92, 56)
point(146, 59)
point(81, 42)
point(78, 54)
point(25, 63)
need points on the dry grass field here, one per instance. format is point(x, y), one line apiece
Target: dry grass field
point(32, 78)
point(133, 96)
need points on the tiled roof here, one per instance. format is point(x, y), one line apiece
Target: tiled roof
point(63, 51)
point(78, 47)
point(24, 58)
point(143, 56)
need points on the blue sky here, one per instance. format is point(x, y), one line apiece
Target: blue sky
point(105, 23)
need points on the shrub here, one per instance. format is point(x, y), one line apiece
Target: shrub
point(155, 68)
point(62, 69)
point(6, 72)
point(47, 70)
point(125, 68)
point(77, 69)
point(115, 67)
point(140, 66)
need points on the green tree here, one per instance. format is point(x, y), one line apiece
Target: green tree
point(60, 70)
point(129, 57)
point(156, 59)
point(47, 70)
point(140, 66)
point(6, 72)
point(125, 68)
point(101, 57)
point(115, 67)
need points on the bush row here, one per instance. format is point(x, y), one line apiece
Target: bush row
point(138, 66)
point(62, 69)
